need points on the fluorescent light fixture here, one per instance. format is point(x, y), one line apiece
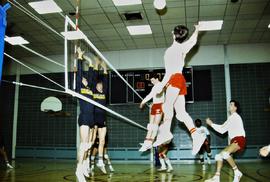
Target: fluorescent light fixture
point(18, 40)
point(139, 29)
point(73, 35)
point(210, 25)
point(159, 4)
point(45, 7)
point(126, 2)
point(269, 26)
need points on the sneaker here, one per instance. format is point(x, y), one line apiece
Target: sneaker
point(170, 169)
point(111, 168)
point(198, 140)
point(79, 174)
point(86, 169)
point(163, 168)
point(101, 166)
point(237, 176)
point(146, 145)
point(163, 138)
point(213, 179)
point(9, 166)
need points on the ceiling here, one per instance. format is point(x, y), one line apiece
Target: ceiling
point(245, 21)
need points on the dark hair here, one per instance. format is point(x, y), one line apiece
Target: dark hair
point(154, 75)
point(99, 81)
point(181, 33)
point(237, 105)
point(198, 120)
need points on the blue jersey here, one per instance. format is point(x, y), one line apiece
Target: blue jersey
point(86, 90)
point(100, 97)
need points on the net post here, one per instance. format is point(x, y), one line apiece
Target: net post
point(66, 54)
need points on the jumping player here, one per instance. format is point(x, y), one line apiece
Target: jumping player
point(155, 115)
point(176, 90)
point(100, 95)
point(84, 86)
point(236, 132)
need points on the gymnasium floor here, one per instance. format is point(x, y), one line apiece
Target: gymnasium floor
point(36, 170)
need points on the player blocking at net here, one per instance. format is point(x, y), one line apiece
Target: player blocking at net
point(84, 86)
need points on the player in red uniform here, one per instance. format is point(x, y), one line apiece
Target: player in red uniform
point(236, 132)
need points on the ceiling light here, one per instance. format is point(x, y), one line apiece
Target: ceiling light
point(210, 25)
point(73, 35)
point(159, 4)
point(126, 2)
point(18, 40)
point(45, 7)
point(269, 26)
point(139, 29)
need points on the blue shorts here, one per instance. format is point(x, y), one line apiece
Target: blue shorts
point(86, 118)
point(100, 119)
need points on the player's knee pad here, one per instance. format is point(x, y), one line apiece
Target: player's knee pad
point(219, 157)
point(201, 156)
point(106, 156)
point(226, 155)
point(209, 154)
point(161, 155)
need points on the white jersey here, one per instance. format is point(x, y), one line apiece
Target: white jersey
point(174, 57)
point(157, 98)
point(203, 130)
point(234, 126)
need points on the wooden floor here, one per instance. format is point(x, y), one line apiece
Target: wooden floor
point(35, 170)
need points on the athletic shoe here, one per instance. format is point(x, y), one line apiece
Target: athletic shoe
point(9, 166)
point(213, 179)
point(163, 168)
point(101, 166)
point(170, 169)
point(111, 168)
point(146, 145)
point(237, 176)
point(85, 168)
point(79, 174)
point(198, 140)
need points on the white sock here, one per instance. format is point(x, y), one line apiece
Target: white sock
point(100, 159)
point(168, 162)
point(162, 162)
point(235, 169)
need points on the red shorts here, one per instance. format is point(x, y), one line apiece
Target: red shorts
point(241, 141)
point(156, 109)
point(178, 80)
